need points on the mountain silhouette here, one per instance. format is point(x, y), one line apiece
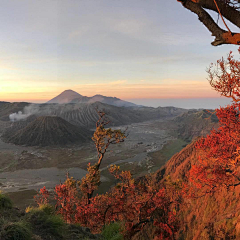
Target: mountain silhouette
point(70, 96)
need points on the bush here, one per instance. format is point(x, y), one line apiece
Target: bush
point(2, 222)
point(113, 231)
point(15, 231)
point(45, 223)
point(47, 208)
point(5, 202)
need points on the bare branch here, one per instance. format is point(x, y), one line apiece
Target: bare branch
point(228, 11)
point(222, 36)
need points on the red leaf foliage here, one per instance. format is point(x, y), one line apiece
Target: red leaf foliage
point(218, 163)
point(42, 197)
point(133, 203)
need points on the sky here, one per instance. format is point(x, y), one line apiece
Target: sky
point(131, 49)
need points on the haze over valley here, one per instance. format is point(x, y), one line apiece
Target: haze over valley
point(41, 142)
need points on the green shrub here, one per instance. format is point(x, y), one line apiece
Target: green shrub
point(47, 208)
point(15, 231)
point(2, 220)
point(113, 231)
point(5, 202)
point(44, 223)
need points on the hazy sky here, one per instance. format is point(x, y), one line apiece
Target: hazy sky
point(130, 49)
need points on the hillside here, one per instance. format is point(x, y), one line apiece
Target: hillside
point(7, 108)
point(195, 123)
point(85, 114)
point(11, 129)
point(211, 216)
point(46, 131)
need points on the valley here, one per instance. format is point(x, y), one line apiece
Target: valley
point(42, 151)
point(30, 168)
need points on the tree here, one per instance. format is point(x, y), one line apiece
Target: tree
point(225, 77)
point(228, 9)
point(219, 152)
point(73, 194)
point(131, 201)
point(103, 138)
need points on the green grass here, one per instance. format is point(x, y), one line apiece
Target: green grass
point(160, 157)
point(173, 147)
point(112, 231)
point(5, 202)
point(15, 231)
point(37, 223)
point(45, 223)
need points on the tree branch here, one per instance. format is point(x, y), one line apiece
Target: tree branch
point(222, 36)
point(230, 13)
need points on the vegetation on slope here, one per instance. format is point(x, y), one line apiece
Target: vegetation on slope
point(208, 169)
point(194, 196)
point(40, 223)
point(187, 199)
point(195, 123)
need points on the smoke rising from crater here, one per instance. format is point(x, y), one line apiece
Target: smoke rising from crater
point(22, 115)
point(44, 110)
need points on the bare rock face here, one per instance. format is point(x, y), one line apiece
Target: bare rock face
point(47, 131)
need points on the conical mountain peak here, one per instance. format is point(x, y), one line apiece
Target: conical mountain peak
point(65, 97)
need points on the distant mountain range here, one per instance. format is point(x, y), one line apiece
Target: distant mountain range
point(70, 96)
point(84, 114)
point(25, 121)
point(34, 124)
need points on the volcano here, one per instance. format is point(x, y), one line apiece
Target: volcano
point(70, 96)
point(49, 131)
point(66, 97)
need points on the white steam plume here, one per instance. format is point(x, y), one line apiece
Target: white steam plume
point(27, 111)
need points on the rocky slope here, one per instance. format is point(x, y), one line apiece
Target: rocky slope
point(7, 108)
point(194, 123)
point(46, 131)
point(85, 114)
